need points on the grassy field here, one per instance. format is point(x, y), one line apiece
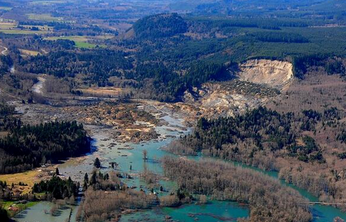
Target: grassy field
point(11, 28)
point(80, 41)
point(44, 17)
point(84, 45)
point(6, 8)
point(19, 206)
point(29, 178)
point(103, 91)
point(22, 32)
point(29, 52)
point(47, 2)
point(7, 25)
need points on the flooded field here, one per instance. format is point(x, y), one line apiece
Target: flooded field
point(129, 160)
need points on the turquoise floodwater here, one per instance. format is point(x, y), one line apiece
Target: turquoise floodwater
point(214, 211)
point(41, 213)
point(320, 213)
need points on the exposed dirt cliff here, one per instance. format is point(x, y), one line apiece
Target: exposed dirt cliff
point(258, 81)
point(276, 74)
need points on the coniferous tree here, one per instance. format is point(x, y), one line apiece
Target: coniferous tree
point(97, 163)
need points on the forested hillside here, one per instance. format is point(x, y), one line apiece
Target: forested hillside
point(162, 25)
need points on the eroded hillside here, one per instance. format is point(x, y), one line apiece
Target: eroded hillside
point(276, 74)
point(255, 84)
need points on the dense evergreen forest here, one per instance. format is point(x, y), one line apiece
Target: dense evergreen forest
point(26, 147)
point(157, 26)
point(7, 121)
point(280, 37)
point(56, 188)
point(30, 146)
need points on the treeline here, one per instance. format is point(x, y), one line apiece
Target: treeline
point(5, 192)
point(279, 37)
point(6, 63)
point(57, 188)
point(331, 64)
point(28, 146)
point(7, 121)
point(158, 26)
point(254, 137)
point(57, 26)
point(267, 198)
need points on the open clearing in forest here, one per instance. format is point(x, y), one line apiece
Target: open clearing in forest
point(22, 32)
point(47, 2)
point(20, 206)
point(5, 8)
point(44, 17)
point(12, 28)
point(29, 178)
point(80, 41)
point(29, 52)
point(103, 91)
point(7, 25)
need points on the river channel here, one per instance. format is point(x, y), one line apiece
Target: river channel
point(129, 157)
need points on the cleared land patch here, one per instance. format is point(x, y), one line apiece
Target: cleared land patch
point(103, 91)
point(6, 8)
point(13, 28)
point(47, 2)
point(7, 25)
point(80, 41)
point(29, 52)
point(44, 17)
point(29, 178)
point(22, 32)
